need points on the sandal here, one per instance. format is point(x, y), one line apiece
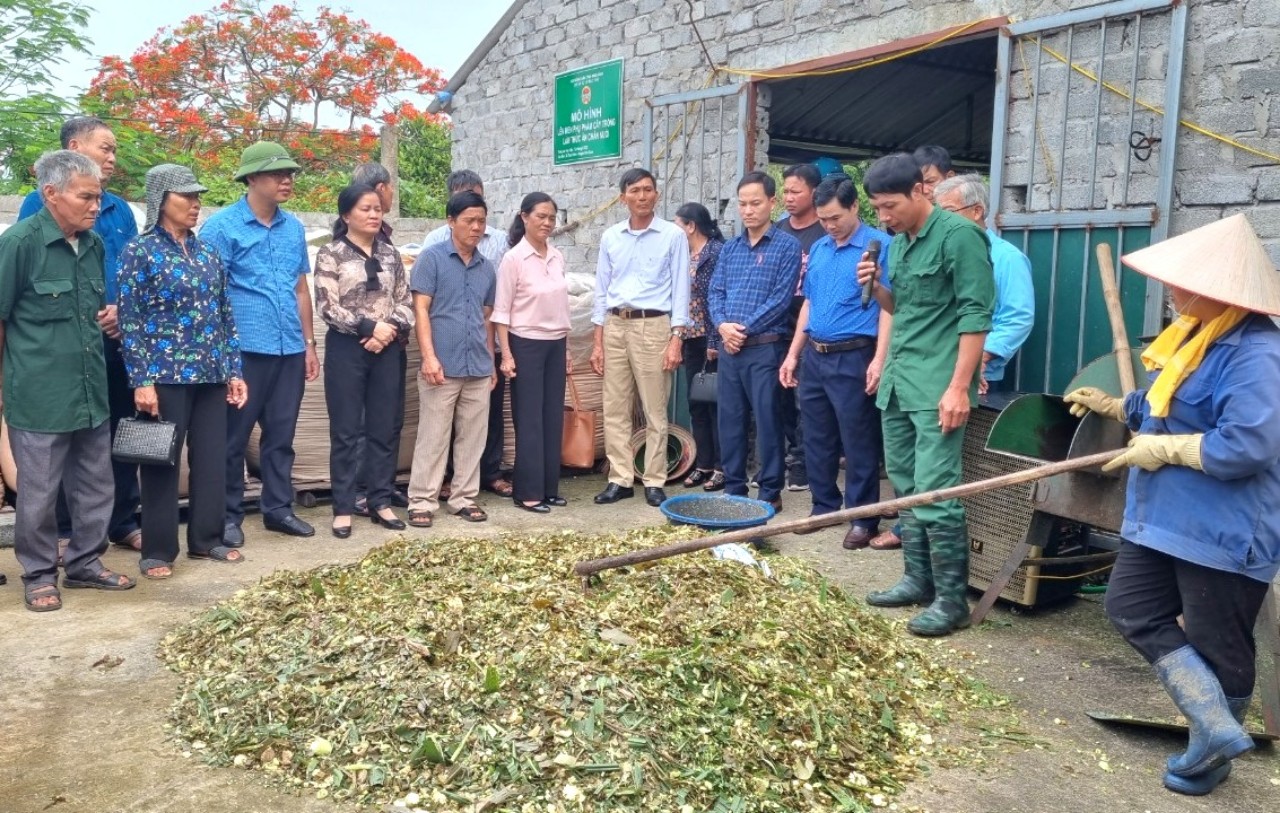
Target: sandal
point(46, 593)
point(500, 487)
point(150, 569)
point(131, 541)
point(715, 482)
point(696, 478)
point(885, 541)
point(219, 553)
point(420, 519)
point(472, 513)
point(102, 580)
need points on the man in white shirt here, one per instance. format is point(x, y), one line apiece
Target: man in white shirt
point(492, 246)
point(640, 312)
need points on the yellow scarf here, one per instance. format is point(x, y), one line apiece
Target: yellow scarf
point(1176, 360)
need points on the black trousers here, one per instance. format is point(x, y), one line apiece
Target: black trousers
point(702, 416)
point(1149, 589)
point(275, 396)
point(491, 457)
point(200, 413)
point(362, 391)
point(124, 508)
point(537, 410)
point(362, 479)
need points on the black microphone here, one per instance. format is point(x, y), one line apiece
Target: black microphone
point(873, 249)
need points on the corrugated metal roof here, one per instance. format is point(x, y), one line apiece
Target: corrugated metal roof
point(941, 96)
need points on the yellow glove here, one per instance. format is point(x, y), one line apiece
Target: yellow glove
point(1092, 399)
point(1150, 452)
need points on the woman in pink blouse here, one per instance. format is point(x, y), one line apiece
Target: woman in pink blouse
point(531, 312)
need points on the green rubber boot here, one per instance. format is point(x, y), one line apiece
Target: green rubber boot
point(916, 584)
point(949, 557)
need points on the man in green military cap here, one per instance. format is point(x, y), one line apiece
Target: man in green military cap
point(264, 250)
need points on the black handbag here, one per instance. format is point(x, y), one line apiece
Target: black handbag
point(702, 389)
point(146, 442)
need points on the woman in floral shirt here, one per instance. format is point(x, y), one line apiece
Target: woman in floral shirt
point(362, 293)
point(183, 358)
point(705, 242)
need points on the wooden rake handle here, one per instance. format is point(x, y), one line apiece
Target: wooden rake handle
point(1119, 337)
point(591, 567)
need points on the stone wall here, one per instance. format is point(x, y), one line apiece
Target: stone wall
point(503, 112)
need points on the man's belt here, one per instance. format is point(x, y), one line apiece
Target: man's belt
point(842, 347)
point(763, 338)
point(636, 313)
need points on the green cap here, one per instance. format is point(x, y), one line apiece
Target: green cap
point(264, 156)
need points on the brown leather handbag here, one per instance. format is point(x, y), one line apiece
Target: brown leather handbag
point(578, 444)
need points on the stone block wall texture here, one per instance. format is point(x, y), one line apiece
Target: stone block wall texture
point(503, 113)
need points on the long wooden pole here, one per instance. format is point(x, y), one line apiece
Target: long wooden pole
point(1119, 336)
point(593, 566)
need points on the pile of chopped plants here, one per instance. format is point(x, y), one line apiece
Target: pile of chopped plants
point(478, 675)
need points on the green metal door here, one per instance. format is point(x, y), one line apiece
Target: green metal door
point(1082, 153)
point(1072, 327)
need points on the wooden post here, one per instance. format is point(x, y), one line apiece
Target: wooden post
point(593, 566)
point(390, 137)
point(1119, 336)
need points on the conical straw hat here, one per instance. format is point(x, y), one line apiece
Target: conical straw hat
point(1223, 261)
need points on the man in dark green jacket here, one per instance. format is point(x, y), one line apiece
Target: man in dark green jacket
point(943, 293)
point(52, 295)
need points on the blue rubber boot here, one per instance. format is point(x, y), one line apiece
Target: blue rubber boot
point(1216, 735)
point(1204, 783)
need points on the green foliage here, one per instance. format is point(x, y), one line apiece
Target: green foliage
point(424, 163)
point(34, 35)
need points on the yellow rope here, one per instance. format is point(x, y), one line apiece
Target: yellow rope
point(856, 67)
point(1185, 123)
point(1086, 574)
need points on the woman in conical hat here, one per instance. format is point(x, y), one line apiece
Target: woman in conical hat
point(1201, 526)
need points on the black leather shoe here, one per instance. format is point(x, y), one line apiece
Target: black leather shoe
point(232, 536)
point(654, 496)
point(614, 492)
point(288, 524)
point(399, 498)
point(393, 524)
point(536, 508)
point(341, 531)
point(556, 501)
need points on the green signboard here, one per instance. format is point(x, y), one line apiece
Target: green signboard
point(589, 113)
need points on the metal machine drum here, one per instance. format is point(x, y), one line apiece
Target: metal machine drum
point(1008, 433)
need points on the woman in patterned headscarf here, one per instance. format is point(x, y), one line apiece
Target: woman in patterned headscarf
point(182, 354)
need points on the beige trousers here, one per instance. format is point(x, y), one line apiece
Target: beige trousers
point(633, 351)
point(462, 403)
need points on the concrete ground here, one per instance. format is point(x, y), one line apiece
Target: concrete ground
point(79, 735)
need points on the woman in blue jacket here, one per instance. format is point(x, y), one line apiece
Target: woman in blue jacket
point(1201, 533)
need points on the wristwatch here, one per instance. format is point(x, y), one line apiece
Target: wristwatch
point(677, 333)
point(311, 342)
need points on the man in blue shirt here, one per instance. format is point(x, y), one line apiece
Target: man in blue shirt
point(264, 250)
point(116, 225)
point(1015, 312)
point(837, 339)
point(747, 303)
point(454, 286)
point(640, 313)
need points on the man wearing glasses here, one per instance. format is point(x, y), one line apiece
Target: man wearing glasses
point(264, 250)
point(1015, 311)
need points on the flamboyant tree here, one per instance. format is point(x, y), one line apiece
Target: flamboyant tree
point(247, 70)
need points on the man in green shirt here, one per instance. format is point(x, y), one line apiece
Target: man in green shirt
point(943, 293)
point(54, 392)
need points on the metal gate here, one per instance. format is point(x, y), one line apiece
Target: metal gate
point(1085, 132)
point(697, 146)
